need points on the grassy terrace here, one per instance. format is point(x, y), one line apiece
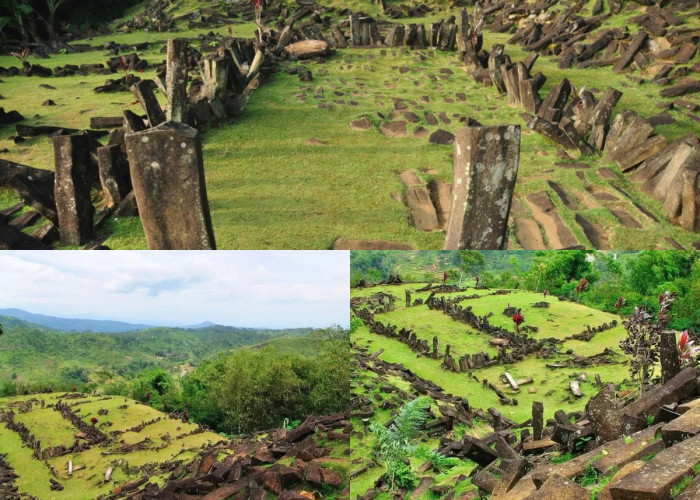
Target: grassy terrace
point(551, 386)
point(51, 429)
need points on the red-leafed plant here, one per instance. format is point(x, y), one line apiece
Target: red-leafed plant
point(686, 348)
point(477, 281)
point(620, 302)
point(583, 284)
point(518, 319)
point(93, 421)
point(545, 292)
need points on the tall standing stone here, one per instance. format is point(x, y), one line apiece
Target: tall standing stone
point(72, 188)
point(435, 347)
point(176, 80)
point(537, 420)
point(670, 360)
point(167, 173)
point(485, 169)
point(603, 412)
point(408, 297)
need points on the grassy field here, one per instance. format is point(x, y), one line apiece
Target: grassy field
point(288, 174)
point(51, 429)
point(551, 386)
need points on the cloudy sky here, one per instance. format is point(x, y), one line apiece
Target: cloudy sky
point(241, 288)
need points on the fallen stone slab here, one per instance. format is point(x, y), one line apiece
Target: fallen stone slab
point(631, 467)
point(422, 212)
point(535, 447)
point(655, 480)
point(361, 124)
point(543, 210)
point(443, 137)
point(683, 427)
point(393, 129)
point(528, 234)
point(560, 488)
point(595, 233)
point(684, 88)
point(349, 244)
point(14, 239)
point(307, 49)
point(683, 385)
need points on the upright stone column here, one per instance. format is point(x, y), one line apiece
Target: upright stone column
point(72, 188)
point(176, 80)
point(167, 173)
point(670, 360)
point(485, 169)
point(537, 420)
point(408, 298)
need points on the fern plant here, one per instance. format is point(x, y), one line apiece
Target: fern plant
point(394, 446)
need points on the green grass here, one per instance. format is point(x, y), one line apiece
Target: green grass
point(269, 188)
point(560, 320)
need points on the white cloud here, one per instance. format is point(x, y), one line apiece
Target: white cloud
point(242, 288)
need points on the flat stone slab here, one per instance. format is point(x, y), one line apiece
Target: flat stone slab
point(683, 427)
point(529, 235)
point(442, 137)
point(655, 480)
point(560, 488)
point(544, 212)
point(618, 453)
point(625, 218)
point(361, 124)
point(306, 49)
point(595, 233)
point(393, 129)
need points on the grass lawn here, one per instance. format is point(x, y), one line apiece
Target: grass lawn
point(288, 174)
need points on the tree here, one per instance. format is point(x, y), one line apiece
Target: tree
point(471, 260)
point(1, 332)
point(393, 446)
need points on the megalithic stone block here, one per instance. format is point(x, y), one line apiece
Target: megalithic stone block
point(670, 358)
point(114, 174)
point(485, 169)
point(72, 188)
point(167, 173)
point(144, 93)
point(176, 80)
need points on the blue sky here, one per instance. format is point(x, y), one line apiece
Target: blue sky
point(238, 288)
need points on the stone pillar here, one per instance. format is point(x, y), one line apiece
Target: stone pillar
point(168, 177)
point(435, 347)
point(408, 298)
point(176, 80)
point(485, 169)
point(114, 174)
point(670, 360)
point(72, 188)
point(537, 420)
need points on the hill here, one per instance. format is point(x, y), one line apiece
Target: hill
point(32, 354)
point(74, 324)
point(50, 445)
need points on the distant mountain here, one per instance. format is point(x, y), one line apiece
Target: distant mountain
point(74, 324)
point(205, 324)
